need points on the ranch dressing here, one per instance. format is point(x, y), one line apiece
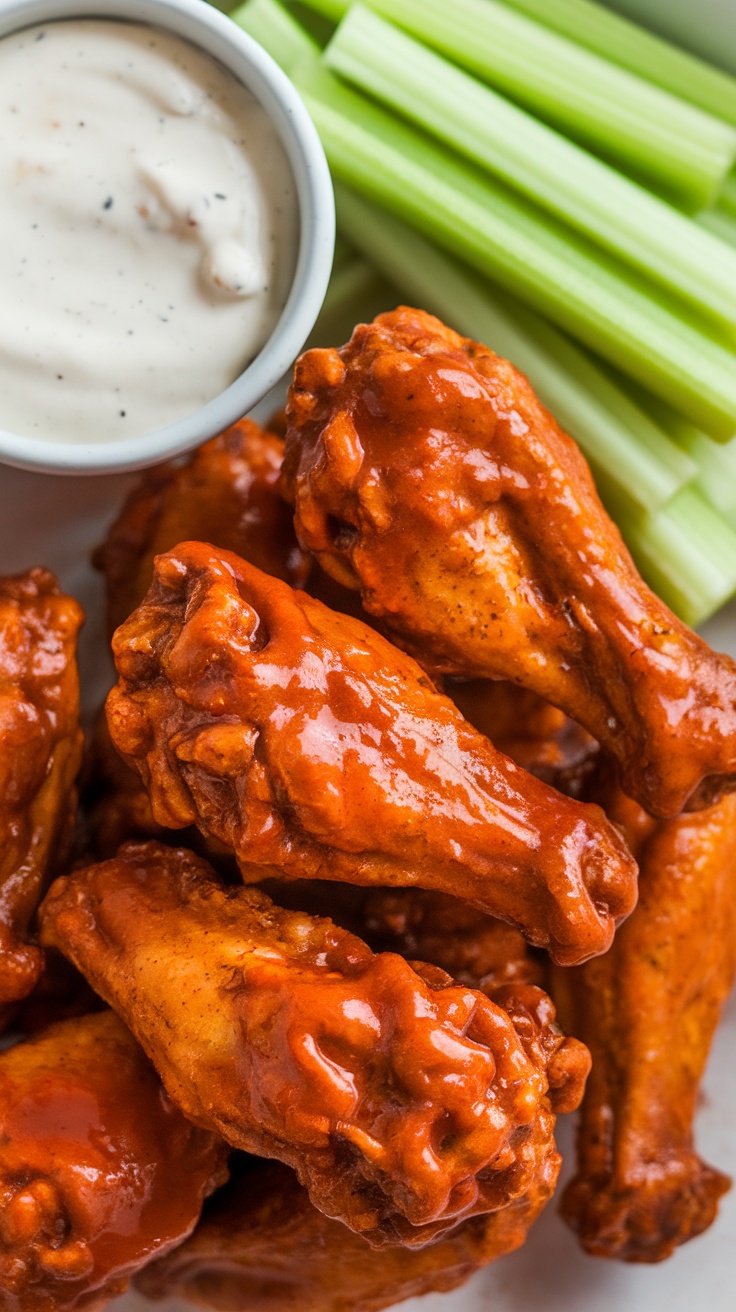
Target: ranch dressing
point(147, 230)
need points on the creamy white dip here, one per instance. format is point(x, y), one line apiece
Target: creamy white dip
point(147, 230)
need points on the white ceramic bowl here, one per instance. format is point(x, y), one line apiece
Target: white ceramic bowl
point(212, 32)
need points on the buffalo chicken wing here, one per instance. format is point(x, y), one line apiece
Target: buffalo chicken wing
point(307, 743)
point(224, 494)
point(40, 754)
point(99, 1172)
point(648, 1011)
point(263, 1247)
point(425, 472)
point(405, 1103)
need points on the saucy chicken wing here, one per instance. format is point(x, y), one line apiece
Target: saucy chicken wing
point(261, 1246)
point(99, 1172)
point(225, 494)
point(404, 1102)
point(425, 472)
point(40, 755)
point(307, 743)
point(648, 1011)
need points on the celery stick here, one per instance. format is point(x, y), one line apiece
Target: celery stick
point(674, 145)
point(344, 253)
point(316, 25)
point(686, 552)
point(727, 196)
point(356, 294)
point(720, 222)
point(716, 462)
point(716, 478)
point(624, 447)
point(273, 28)
point(562, 177)
point(596, 27)
point(505, 237)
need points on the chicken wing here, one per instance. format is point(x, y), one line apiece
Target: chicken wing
point(404, 1102)
point(648, 1010)
point(40, 754)
point(98, 1171)
point(225, 494)
point(262, 1247)
point(425, 472)
point(306, 742)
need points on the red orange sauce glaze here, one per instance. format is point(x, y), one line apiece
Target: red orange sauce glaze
point(306, 742)
point(98, 1170)
point(425, 472)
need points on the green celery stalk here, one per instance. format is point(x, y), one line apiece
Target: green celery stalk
point(727, 196)
point(686, 552)
point(715, 461)
point(598, 201)
point(356, 294)
point(317, 26)
point(598, 28)
point(277, 31)
point(625, 448)
point(721, 222)
point(530, 254)
point(672, 144)
point(716, 478)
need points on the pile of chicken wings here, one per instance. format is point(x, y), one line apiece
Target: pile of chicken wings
point(409, 825)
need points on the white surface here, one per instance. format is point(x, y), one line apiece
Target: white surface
point(201, 24)
point(55, 521)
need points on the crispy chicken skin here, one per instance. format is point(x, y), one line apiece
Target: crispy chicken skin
point(40, 754)
point(405, 1103)
point(425, 472)
point(99, 1172)
point(263, 1247)
point(225, 494)
point(307, 743)
point(648, 1011)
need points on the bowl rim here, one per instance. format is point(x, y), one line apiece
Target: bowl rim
point(217, 35)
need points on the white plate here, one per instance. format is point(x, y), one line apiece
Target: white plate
point(57, 521)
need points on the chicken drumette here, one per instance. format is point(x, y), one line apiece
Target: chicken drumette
point(405, 1103)
point(40, 753)
point(262, 1246)
point(99, 1172)
point(306, 742)
point(425, 472)
point(648, 1010)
